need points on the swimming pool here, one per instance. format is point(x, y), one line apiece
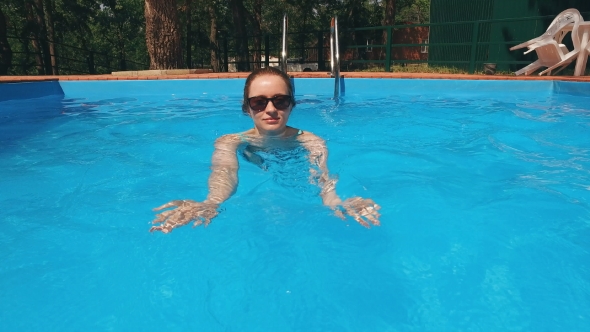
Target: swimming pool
point(484, 188)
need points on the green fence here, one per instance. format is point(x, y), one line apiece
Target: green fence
point(68, 59)
point(466, 45)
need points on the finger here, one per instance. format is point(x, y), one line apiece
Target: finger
point(374, 218)
point(371, 214)
point(372, 209)
point(162, 216)
point(198, 222)
point(169, 204)
point(368, 202)
point(356, 216)
point(339, 214)
point(163, 229)
point(179, 218)
point(360, 220)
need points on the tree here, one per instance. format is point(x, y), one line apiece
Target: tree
point(5, 51)
point(119, 31)
point(98, 36)
point(213, 43)
point(239, 15)
point(34, 29)
point(162, 34)
point(413, 11)
point(47, 7)
point(255, 21)
point(388, 17)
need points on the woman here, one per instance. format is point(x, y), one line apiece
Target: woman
point(268, 100)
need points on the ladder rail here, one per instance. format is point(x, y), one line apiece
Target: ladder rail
point(284, 49)
point(335, 55)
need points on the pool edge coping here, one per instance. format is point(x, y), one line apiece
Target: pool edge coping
point(383, 75)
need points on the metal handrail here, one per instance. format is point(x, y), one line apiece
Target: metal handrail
point(335, 55)
point(284, 52)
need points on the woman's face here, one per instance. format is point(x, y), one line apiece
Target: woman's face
point(272, 120)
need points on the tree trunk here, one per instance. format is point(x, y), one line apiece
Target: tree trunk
point(5, 51)
point(189, 34)
point(48, 11)
point(42, 35)
point(256, 21)
point(213, 45)
point(241, 35)
point(33, 34)
point(121, 48)
point(388, 19)
point(162, 34)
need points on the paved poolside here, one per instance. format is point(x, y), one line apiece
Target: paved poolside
point(383, 75)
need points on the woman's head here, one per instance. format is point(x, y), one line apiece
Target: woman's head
point(271, 71)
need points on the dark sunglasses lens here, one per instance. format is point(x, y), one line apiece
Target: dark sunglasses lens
point(282, 102)
point(258, 103)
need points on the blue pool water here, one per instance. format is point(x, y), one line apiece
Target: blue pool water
point(484, 188)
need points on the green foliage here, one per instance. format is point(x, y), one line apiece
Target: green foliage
point(418, 68)
point(118, 31)
point(111, 33)
point(413, 11)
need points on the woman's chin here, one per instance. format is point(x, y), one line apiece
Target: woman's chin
point(272, 129)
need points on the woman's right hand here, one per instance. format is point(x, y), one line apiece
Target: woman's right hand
point(185, 212)
point(363, 210)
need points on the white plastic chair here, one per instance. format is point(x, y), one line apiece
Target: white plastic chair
point(585, 49)
point(551, 52)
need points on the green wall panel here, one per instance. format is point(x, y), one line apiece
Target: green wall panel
point(493, 37)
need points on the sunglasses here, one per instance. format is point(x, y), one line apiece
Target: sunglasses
point(259, 103)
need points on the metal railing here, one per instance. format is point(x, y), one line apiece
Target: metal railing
point(68, 59)
point(466, 45)
point(284, 48)
point(335, 56)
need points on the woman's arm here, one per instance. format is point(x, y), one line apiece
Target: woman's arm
point(223, 182)
point(318, 157)
point(361, 209)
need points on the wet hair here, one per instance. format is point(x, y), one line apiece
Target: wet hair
point(262, 72)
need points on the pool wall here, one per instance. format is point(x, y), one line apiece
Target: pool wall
point(28, 90)
point(303, 86)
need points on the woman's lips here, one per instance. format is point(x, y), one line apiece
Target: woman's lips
point(271, 120)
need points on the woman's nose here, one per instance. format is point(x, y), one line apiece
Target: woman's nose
point(270, 107)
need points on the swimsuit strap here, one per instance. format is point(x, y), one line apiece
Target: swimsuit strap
point(242, 138)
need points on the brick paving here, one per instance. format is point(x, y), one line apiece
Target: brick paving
point(383, 75)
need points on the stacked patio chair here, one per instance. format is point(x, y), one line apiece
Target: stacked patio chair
point(549, 48)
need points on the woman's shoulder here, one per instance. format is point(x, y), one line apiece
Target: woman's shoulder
point(308, 136)
point(230, 139)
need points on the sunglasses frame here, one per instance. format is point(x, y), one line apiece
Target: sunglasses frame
point(272, 99)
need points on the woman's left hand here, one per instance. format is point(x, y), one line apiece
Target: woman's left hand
point(184, 212)
point(363, 210)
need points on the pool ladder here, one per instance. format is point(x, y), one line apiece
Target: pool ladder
point(334, 55)
point(283, 62)
point(284, 51)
